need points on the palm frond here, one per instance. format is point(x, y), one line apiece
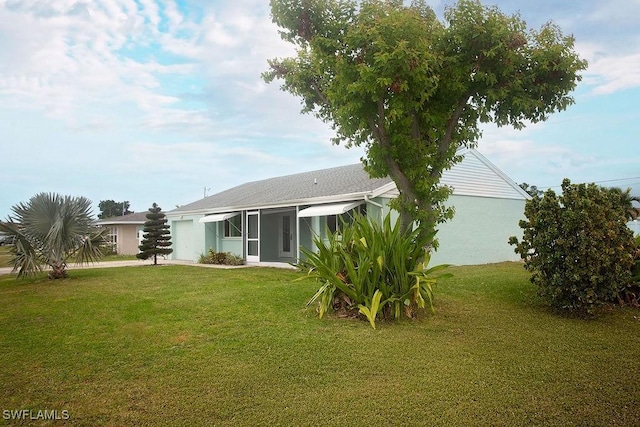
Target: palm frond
point(25, 258)
point(50, 229)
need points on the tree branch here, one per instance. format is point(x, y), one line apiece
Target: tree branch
point(443, 147)
point(415, 126)
point(445, 143)
point(320, 94)
point(408, 196)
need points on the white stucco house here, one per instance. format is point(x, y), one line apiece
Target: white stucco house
point(270, 220)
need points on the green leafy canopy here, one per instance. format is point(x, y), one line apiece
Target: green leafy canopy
point(413, 90)
point(111, 208)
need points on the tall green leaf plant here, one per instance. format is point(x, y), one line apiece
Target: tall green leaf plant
point(371, 269)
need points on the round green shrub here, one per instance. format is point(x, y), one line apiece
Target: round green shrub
point(577, 246)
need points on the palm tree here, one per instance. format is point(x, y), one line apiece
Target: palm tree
point(628, 202)
point(51, 229)
point(633, 211)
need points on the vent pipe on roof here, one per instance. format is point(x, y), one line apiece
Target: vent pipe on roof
point(315, 181)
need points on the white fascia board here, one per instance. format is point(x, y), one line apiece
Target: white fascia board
point(501, 174)
point(285, 204)
point(218, 217)
point(383, 190)
point(328, 209)
point(120, 223)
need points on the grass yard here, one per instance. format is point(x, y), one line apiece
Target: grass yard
point(5, 256)
point(183, 345)
point(118, 258)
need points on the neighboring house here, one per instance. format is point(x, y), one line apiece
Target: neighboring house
point(270, 220)
point(125, 232)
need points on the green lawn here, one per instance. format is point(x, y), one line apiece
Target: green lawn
point(184, 345)
point(4, 256)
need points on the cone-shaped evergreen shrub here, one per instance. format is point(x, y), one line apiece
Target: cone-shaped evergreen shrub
point(156, 239)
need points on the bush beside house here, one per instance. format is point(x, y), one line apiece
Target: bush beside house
point(369, 269)
point(220, 258)
point(577, 246)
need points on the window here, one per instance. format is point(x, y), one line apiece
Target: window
point(334, 222)
point(233, 226)
point(112, 235)
point(112, 240)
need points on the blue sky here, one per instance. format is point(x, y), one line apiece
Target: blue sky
point(162, 101)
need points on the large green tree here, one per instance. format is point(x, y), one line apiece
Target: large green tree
point(111, 208)
point(531, 189)
point(50, 230)
point(629, 202)
point(413, 90)
point(156, 239)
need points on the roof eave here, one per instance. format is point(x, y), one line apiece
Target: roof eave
point(288, 203)
point(384, 189)
point(506, 178)
point(120, 222)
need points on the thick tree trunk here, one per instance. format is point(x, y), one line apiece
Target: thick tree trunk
point(406, 220)
point(58, 271)
point(409, 200)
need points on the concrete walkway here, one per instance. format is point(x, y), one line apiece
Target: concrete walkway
point(140, 263)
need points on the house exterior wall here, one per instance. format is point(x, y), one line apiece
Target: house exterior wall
point(488, 208)
point(214, 239)
point(187, 237)
point(231, 244)
point(379, 208)
point(476, 176)
point(128, 239)
point(124, 237)
point(477, 234)
point(479, 231)
point(211, 236)
point(307, 233)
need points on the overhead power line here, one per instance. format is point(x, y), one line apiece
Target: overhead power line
point(600, 182)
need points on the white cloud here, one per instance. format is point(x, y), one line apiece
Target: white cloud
point(609, 40)
point(177, 85)
point(76, 60)
point(70, 55)
point(608, 72)
point(525, 158)
point(527, 154)
point(615, 13)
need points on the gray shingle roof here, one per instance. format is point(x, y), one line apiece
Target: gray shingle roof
point(136, 217)
point(474, 176)
point(333, 182)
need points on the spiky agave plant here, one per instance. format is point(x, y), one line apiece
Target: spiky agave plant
point(49, 230)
